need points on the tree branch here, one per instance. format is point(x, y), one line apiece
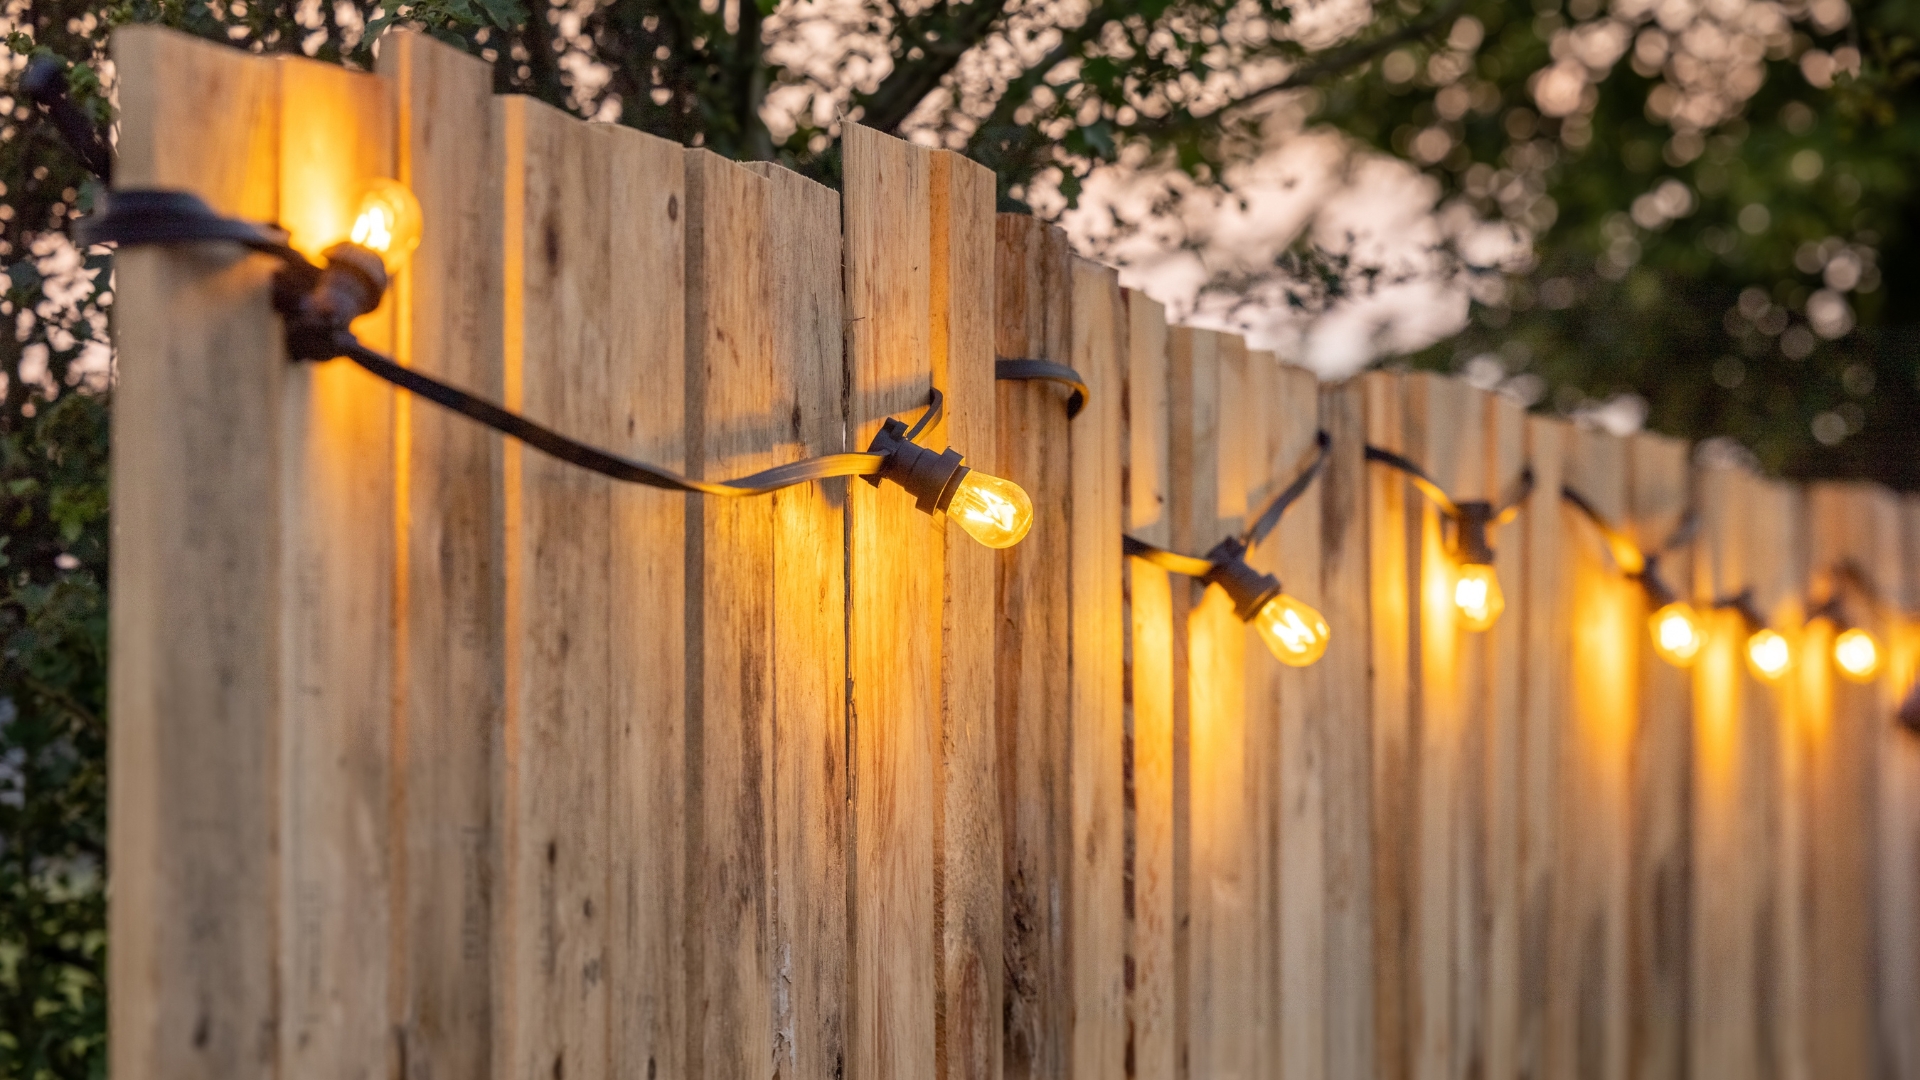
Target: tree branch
point(912, 80)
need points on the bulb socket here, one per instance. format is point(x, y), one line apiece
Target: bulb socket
point(321, 304)
point(1249, 589)
point(1659, 593)
point(931, 478)
point(1470, 544)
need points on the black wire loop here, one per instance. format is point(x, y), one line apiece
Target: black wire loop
point(135, 218)
point(1195, 567)
point(1270, 517)
point(1019, 370)
point(1635, 563)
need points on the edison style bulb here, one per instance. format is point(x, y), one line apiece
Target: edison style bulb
point(1768, 655)
point(387, 222)
point(1295, 633)
point(993, 511)
point(1857, 654)
point(1477, 594)
point(1677, 634)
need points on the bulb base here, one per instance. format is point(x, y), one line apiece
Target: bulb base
point(1249, 589)
point(931, 478)
point(320, 304)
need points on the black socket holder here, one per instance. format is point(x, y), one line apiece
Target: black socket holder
point(1659, 594)
point(930, 477)
point(1249, 589)
point(1470, 533)
point(320, 304)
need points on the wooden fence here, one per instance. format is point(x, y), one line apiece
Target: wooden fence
point(436, 758)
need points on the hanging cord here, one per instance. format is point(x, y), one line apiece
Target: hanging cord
point(1472, 517)
point(46, 83)
point(1635, 563)
point(320, 302)
point(1047, 370)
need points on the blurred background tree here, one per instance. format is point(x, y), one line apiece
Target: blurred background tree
point(1684, 213)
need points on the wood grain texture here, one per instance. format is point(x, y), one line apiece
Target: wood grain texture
point(551, 917)
point(1587, 1028)
point(1157, 604)
point(337, 547)
point(1033, 317)
point(1777, 571)
point(448, 575)
point(809, 824)
point(1658, 498)
point(1544, 660)
point(1096, 917)
point(894, 610)
point(1347, 735)
point(731, 431)
point(1900, 811)
point(646, 579)
point(1497, 777)
point(195, 685)
point(972, 979)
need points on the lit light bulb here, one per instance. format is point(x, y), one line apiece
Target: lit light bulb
point(387, 222)
point(1857, 655)
point(1768, 654)
point(1477, 594)
point(993, 511)
point(1677, 635)
point(1295, 633)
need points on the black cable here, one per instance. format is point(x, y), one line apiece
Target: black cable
point(1427, 485)
point(1019, 370)
point(1270, 517)
point(46, 83)
point(1236, 547)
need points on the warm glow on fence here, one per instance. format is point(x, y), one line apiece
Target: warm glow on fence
point(1677, 633)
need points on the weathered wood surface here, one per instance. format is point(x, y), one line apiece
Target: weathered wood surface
point(894, 609)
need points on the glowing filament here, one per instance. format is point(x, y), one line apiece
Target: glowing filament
point(387, 222)
point(1857, 654)
point(1295, 633)
point(1477, 594)
point(1677, 634)
point(993, 511)
point(1768, 655)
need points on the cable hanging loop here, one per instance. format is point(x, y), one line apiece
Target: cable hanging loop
point(1048, 371)
point(1472, 518)
point(1270, 517)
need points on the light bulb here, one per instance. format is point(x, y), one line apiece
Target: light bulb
point(1677, 635)
point(386, 221)
point(1295, 633)
point(1857, 654)
point(1768, 654)
point(1477, 594)
point(993, 511)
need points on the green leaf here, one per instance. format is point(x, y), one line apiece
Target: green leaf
point(506, 14)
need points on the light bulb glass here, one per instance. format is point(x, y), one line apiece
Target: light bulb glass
point(993, 511)
point(1677, 634)
point(1295, 633)
point(1768, 655)
point(387, 222)
point(1476, 592)
point(1857, 655)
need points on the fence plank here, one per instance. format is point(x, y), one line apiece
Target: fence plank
point(1347, 735)
point(1096, 923)
point(894, 604)
point(972, 976)
point(1900, 814)
point(1033, 313)
point(450, 656)
point(552, 911)
point(1587, 1028)
point(194, 689)
point(1156, 655)
point(1657, 501)
point(337, 586)
point(1497, 871)
point(646, 331)
point(809, 666)
point(731, 431)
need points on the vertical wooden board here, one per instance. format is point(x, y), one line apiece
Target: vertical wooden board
point(1498, 774)
point(1390, 627)
point(809, 821)
point(1300, 719)
point(195, 687)
point(731, 431)
point(1096, 923)
point(1658, 498)
point(1587, 950)
point(972, 978)
point(551, 947)
point(1900, 893)
point(447, 605)
point(646, 334)
point(1252, 394)
point(1544, 664)
point(1033, 313)
point(894, 599)
point(1346, 735)
point(1157, 605)
point(337, 572)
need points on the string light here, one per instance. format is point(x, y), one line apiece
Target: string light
point(1768, 654)
point(1477, 596)
point(1675, 627)
point(1856, 651)
point(1677, 633)
point(1857, 654)
point(387, 222)
point(1292, 630)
